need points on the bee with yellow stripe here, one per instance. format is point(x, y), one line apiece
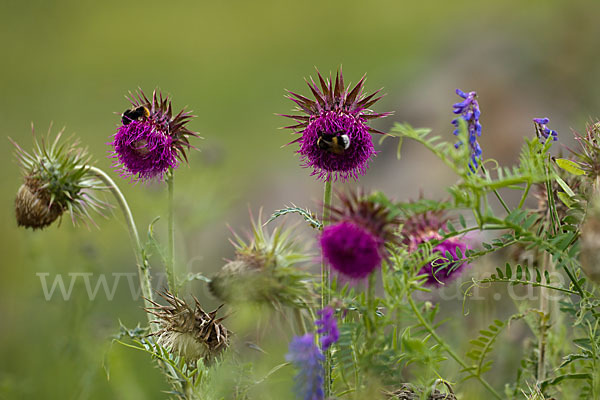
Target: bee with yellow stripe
point(135, 114)
point(335, 142)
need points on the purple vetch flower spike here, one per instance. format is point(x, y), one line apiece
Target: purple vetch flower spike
point(306, 356)
point(335, 138)
point(468, 110)
point(150, 139)
point(542, 131)
point(327, 327)
point(354, 242)
point(425, 227)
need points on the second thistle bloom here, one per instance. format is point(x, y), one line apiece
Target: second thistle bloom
point(468, 110)
point(150, 139)
point(426, 227)
point(354, 243)
point(335, 138)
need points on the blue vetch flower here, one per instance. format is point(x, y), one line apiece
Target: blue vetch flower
point(306, 356)
point(468, 110)
point(327, 327)
point(543, 131)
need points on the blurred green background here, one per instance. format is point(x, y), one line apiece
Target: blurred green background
point(72, 63)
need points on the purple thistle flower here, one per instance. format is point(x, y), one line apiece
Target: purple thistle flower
point(150, 139)
point(335, 139)
point(354, 244)
point(306, 356)
point(543, 132)
point(425, 227)
point(327, 327)
point(438, 274)
point(468, 110)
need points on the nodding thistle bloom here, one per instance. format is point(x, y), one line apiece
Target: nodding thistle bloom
point(335, 139)
point(354, 243)
point(57, 178)
point(265, 269)
point(426, 227)
point(189, 332)
point(306, 356)
point(327, 327)
point(468, 111)
point(150, 139)
point(542, 130)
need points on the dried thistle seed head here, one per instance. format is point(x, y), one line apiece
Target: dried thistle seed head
point(151, 139)
point(589, 256)
point(335, 136)
point(188, 331)
point(265, 269)
point(57, 177)
point(33, 208)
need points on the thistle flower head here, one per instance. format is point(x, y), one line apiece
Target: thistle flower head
point(542, 130)
point(150, 139)
point(429, 226)
point(354, 242)
point(265, 269)
point(189, 331)
point(327, 327)
point(468, 111)
point(335, 138)
point(306, 356)
point(57, 178)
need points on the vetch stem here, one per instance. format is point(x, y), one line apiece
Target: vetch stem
point(326, 284)
point(140, 257)
point(447, 348)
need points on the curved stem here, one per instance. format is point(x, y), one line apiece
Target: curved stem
point(447, 348)
point(140, 257)
point(170, 267)
point(326, 284)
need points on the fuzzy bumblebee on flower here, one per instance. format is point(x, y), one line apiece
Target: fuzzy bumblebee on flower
point(57, 177)
point(151, 140)
point(335, 136)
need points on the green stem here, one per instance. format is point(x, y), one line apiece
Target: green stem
point(370, 306)
point(326, 283)
point(140, 257)
point(447, 348)
point(525, 193)
point(170, 267)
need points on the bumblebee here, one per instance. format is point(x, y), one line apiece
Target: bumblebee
point(333, 142)
point(135, 114)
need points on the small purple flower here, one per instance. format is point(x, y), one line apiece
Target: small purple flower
point(327, 327)
point(468, 110)
point(306, 356)
point(150, 139)
point(438, 274)
point(354, 243)
point(335, 139)
point(424, 227)
point(543, 131)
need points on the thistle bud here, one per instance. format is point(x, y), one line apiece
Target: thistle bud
point(263, 271)
point(57, 178)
